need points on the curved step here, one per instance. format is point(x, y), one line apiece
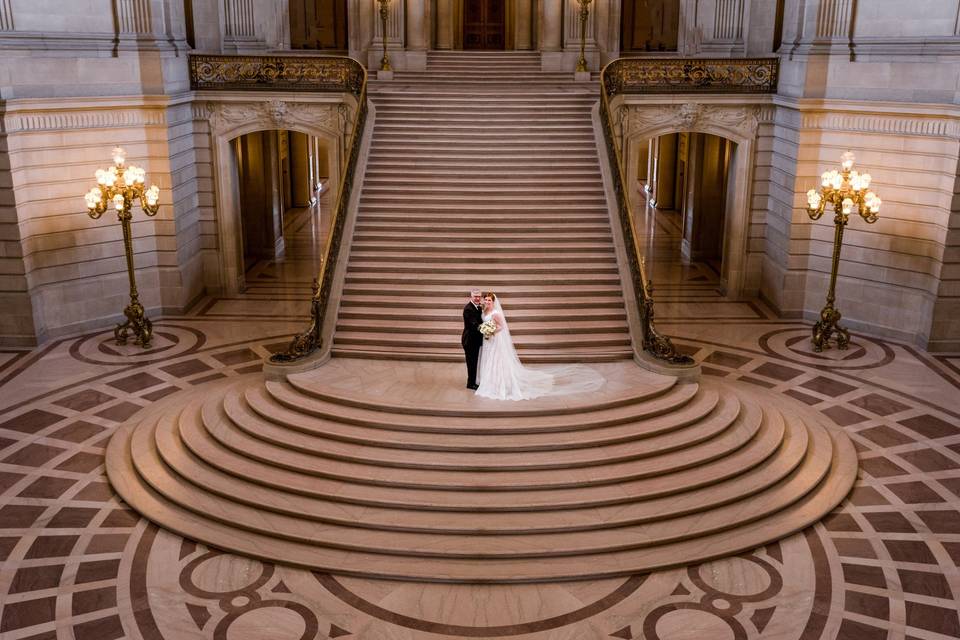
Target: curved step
point(256, 408)
point(628, 442)
point(406, 517)
point(471, 474)
point(789, 474)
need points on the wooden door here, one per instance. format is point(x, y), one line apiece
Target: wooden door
point(318, 24)
point(483, 24)
point(649, 25)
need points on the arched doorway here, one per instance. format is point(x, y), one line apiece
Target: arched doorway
point(484, 24)
point(318, 25)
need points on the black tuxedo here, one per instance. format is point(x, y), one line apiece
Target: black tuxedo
point(472, 340)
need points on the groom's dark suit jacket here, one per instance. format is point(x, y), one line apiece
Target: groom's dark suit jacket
point(472, 319)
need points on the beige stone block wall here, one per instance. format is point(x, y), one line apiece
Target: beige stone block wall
point(16, 321)
point(74, 266)
point(890, 271)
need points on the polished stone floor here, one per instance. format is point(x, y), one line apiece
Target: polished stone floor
point(77, 563)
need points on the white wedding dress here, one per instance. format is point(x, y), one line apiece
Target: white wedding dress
point(501, 375)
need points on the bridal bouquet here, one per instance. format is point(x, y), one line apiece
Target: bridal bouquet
point(488, 328)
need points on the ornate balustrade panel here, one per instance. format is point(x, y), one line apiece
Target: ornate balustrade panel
point(278, 73)
point(690, 75)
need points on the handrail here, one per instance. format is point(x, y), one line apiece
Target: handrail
point(653, 343)
point(299, 73)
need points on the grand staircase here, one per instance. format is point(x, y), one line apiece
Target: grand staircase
point(373, 467)
point(483, 172)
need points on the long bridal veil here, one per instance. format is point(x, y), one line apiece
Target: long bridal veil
point(503, 377)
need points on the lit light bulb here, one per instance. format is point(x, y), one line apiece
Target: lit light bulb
point(119, 155)
point(847, 206)
point(865, 180)
point(141, 175)
point(93, 198)
point(153, 195)
point(875, 205)
point(825, 179)
point(846, 160)
point(101, 176)
point(118, 202)
point(129, 176)
point(836, 180)
point(813, 199)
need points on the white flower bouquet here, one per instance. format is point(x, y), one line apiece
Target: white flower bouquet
point(488, 328)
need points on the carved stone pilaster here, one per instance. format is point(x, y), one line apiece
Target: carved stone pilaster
point(239, 19)
point(728, 20)
point(834, 18)
point(133, 16)
point(6, 16)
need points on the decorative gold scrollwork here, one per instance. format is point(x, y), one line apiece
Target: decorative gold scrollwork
point(690, 75)
point(278, 73)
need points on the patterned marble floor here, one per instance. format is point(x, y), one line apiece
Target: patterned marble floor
point(78, 564)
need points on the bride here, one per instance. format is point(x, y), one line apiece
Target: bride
point(502, 376)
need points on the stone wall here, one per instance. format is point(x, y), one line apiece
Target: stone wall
point(881, 81)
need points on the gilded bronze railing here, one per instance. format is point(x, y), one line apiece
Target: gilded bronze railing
point(690, 75)
point(300, 73)
point(278, 73)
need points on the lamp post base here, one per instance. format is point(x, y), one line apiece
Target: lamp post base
point(826, 326)
point(138, 323)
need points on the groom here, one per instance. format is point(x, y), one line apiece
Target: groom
point(472, 339)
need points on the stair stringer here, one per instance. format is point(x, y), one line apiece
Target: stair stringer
point(277, 371)
point(684, 373)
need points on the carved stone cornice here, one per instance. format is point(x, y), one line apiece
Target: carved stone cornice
point(277, 114)
point(692, 116)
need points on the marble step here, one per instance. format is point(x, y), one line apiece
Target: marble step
point(644, 404)
point(257, 412)
point(201, 449)
point(519, 320)
point(547, 451)
point(456, 472)
point(416, 340)
point(451, 354)
point(639, 509)
point(656, 530)
point(271, 548)
point(416, 302)
point(423, 277)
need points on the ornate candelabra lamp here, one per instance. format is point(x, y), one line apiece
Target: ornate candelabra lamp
point(120, 186)
point(384, 14)
point(584, 14)
point(844, 189)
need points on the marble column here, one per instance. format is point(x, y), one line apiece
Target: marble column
point(301, 187)
point(444, 24)
point(666, 171)
point(551, 35)
point(6, 16)
point(523, 25)
point(418, 40)
point(133, 16)
point(833, 19)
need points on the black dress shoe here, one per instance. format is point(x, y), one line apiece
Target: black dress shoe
point(473, 386)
